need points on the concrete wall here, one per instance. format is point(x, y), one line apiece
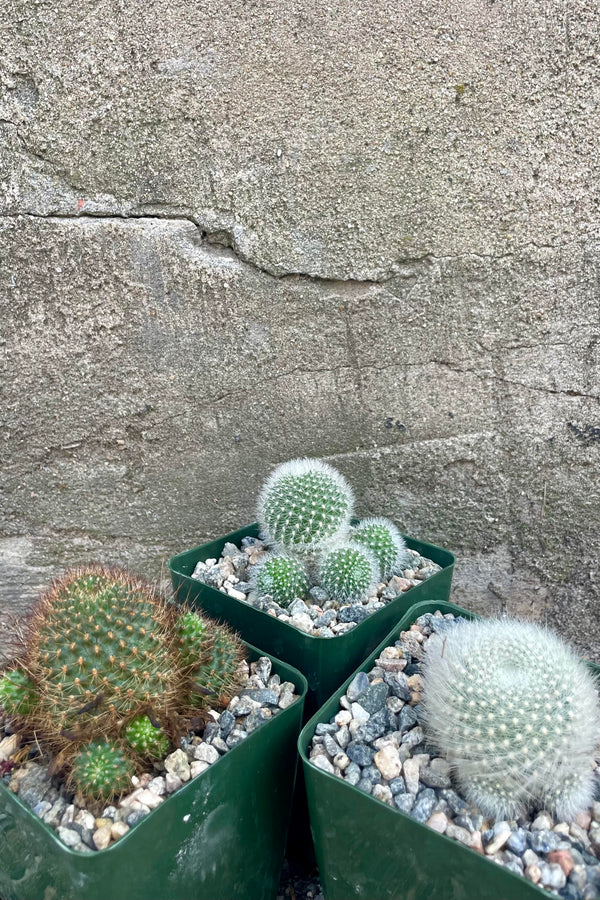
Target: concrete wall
point(235, 233)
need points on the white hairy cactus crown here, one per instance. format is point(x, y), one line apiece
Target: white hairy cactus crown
point(304, 504)
point(516, 712)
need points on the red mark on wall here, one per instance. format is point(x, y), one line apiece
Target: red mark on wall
point(80, 205)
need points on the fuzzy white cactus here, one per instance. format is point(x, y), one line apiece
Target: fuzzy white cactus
point(516, 712)
point(383, 538)
point(304, 504)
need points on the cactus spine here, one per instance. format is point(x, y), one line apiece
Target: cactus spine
point(282, 578)
point(303, 504)
point(348, 572)
point(384, 540)
point(516, 712)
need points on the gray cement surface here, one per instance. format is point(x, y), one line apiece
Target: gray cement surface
point(234, 234)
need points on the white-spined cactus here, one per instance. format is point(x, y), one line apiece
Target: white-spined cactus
point(348, 572)
point(282, 578)
point(516, 712)
point(384, 540)
point(304, 504)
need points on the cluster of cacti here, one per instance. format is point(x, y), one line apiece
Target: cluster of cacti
point(108, 671)
point(281, 577)
point(515, 711)
point(305, 510)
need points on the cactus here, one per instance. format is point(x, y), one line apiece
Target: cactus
point(17, 692)
point(282, 578)
point(100, 647)
point(101, 769)
point(304, 504)
point(383, 538)
point(217, 673)
point(146, 739)
point(192, 634)
point(515, 711)
point(348, 572)
point(102, 650)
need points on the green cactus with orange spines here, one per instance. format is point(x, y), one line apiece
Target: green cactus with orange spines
point(101, 769)
point(104, 659)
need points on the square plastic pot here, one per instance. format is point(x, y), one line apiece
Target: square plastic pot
point(367, 850)
point(220, 837)
point(325, 662)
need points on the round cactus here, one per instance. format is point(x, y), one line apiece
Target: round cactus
point(101, 645)
point(146, 739)
point(17, 692)
point(516, 712)
point(383, 538)
point(192, 632)
point(217, 672)
point(348, 572)
point(281, 577)
point(303, 504)
point(101, 770)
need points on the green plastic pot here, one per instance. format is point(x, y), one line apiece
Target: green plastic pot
point(369, 851)
point(220, 837)
point(325, 662)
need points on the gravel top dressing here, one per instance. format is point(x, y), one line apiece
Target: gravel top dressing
point(377, 743)
point(317, 614)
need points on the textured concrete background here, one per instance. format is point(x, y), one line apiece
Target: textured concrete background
point(231, 234)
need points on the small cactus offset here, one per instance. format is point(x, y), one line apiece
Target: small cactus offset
point(383, 538)
point(348, 572)
point(146, 739)
point(304, 504)
point(282, 578)
point(101, 769)
point(192, 636)
point(17, 692)
point(516, 712)
point(217, 673)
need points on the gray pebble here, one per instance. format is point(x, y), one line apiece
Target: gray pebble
point(424, 804)
point(219, 744)
point(543, 841)
point(456, 804)
point(331, 745)
point(357, 686)
point(359, 753)
point(517, 842)
point(355, 613)
point(326, 728)
point(398, 683)
point(264, 697)
point(374, 697)
point(319, 595)
point(253, 721)
point(226, 723)
point(376, 725)
point(136, 816)
point(464, 822)
point(433, 779)
point(263, 669)
point(372, 773)
point(236, 737)
point(397, 785)
point(352, 773)
point(365, 785)
point(404, 802)
point(326, 619)
point(407, 718)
